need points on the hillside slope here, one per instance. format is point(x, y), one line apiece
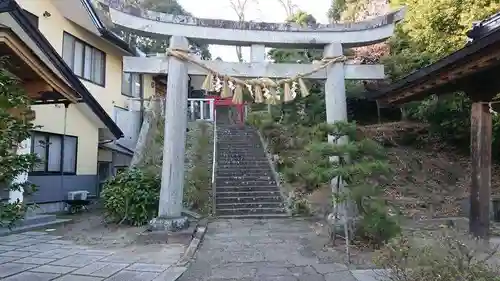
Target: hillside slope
point(431, 180)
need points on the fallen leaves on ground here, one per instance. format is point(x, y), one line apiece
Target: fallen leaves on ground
point(431, 179)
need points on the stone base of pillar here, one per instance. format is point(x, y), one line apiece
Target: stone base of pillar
point(168, 224)
point(340, 223)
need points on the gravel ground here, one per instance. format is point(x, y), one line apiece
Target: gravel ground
point(89, 228)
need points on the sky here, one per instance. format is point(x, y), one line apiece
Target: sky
point(266, 10)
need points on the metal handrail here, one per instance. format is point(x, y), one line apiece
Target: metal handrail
point(201, 102)
point(214, 160)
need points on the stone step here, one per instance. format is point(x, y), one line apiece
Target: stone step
point(248, 199)
point(247, 177)
point(230, 144)
point(229, 134)
point(224, 130)
point(241, 155)
point(237, 128)
point(244, 159)
point(237, 134)
point(231, 194)
point(226, 161)
point(261, 162)
point(268, 188)
point(238, 140)
point(247, 150)
point(231, 148)
point(250, 205)
point(238, 156)
point(255, 169)
point(242, 183)
point(246, 164)
point(249, 211)
point(243, 172)
point(255, 216)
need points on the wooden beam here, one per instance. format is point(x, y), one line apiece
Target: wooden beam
point(472, 66)
point(480, 190)
point(35, 88)
point(39, 66)
point(156, 65)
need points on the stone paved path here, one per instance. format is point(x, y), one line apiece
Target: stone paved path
point(37, 256)
point(261, 250)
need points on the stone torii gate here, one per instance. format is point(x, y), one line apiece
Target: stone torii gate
point(332, 38)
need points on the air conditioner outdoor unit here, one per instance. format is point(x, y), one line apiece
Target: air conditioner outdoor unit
point(78, 195)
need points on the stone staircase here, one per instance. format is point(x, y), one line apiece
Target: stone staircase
point(245, 184)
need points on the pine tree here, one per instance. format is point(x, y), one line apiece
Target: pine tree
point(355, 163)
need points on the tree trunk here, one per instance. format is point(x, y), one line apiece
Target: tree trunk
point(151, 115)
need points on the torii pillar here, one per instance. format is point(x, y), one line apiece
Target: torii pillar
point(174, 143)
point(336, 110)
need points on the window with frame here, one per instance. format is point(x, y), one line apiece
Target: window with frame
point(87, 62)
point(132, 84)
point(56, 152)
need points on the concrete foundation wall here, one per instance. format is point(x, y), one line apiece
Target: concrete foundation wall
point(53, 189)
point(47, 208)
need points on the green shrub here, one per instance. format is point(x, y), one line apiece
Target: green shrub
point(448, 117)
point(360, 162)
point(16, 124)
point(132, 197)
point(298, 204)
point(441, 257)
point(197, 188)
point(259, 119)
point(377, 228)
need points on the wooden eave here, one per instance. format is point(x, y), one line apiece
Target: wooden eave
point(53, 82)
point(55, 62)
point(475, 65)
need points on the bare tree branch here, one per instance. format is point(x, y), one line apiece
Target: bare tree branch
point(289, 7)
point(240, 7)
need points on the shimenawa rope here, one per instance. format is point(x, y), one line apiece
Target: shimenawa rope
point(258, 87)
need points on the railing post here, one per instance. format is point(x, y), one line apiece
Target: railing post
point(202, 109)
point(191, 108)
point(214, 160)
point(212, 110)
point(207, 109)
point(242, 114)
